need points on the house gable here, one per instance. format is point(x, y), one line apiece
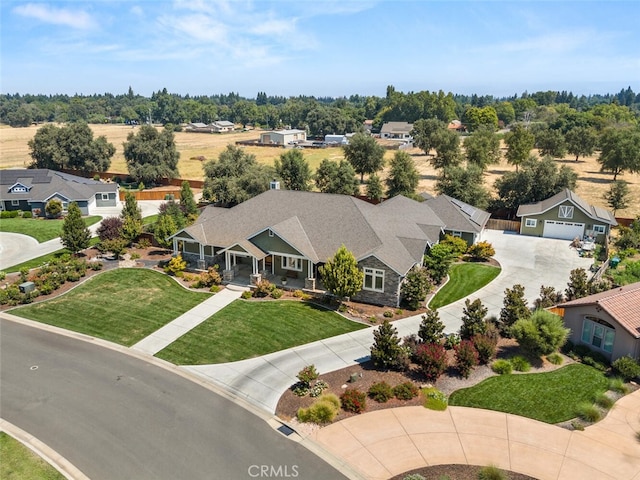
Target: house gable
point(19, 187)
point(270, 241)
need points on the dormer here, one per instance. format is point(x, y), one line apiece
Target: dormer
point(19, 188)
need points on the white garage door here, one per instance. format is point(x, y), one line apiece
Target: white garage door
point(564, 230)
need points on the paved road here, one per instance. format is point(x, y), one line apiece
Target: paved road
point(115, 416)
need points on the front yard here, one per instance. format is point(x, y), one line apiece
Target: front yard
point(38, 228)
point(247, 329)
point(122, 306)
point(464, 279)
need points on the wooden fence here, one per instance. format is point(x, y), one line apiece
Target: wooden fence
point(498, 224)
point(151, 194)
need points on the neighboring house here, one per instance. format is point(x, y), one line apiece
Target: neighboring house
point(607, 322)
point(223, 126)
point(368, 126)
point(31, 189)
point(282, 233)
point(566, 216)
point(457, 126)
point(336, 140)
point(283, 137)
point(461, 219)
point(198, 127)
point(397, 131)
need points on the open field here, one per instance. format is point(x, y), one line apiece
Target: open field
point(592, 184)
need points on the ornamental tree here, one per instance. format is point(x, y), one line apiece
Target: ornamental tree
point(75, 235)
point(415, 287)
point(473, 319)
point(386, 351)
point(341, 275)
point(514, 307)
point(540, 334)
point(431, 327)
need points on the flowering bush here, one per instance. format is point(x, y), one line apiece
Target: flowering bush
point(317, 388)
point(353, 400)
point(308, 374)
point(432, 358)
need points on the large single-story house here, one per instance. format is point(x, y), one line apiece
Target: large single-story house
point(396, 130)
point(31, 189)
point(219, 126)
point(283, 137)
point(461, 219)
point(223, 126)
point(565, 215)
point(289, 234)
point(607, 322)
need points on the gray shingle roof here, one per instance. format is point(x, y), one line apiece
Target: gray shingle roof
point(458, 215)
point(45, 183)
point(316, 224)
point(596, 213)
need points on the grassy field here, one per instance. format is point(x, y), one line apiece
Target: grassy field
point(122, 306)
point(550, 397)
point(465, 278)
point(20, 463)
point(249, 329)
point(592, 184)
point(38, 228)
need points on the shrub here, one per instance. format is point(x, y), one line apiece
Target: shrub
point(3, 275)
point(555, 358)
point(466, 358)
point(215, 288)
point(415, 288)
point(596, 360)
point(381, 392)
point(605, 401)
point(110, 228)
point(411, 342)
point(481, 251)
point(616, 384)
point(331, 398)
point(353, 400)
point(406, 391)
point(458, 245)
point(491, 472)
point(263, 289)
point(24, 274)
point(27, 214)
point(135, 256)
point(485, 346)
point(520, 364)
point(175, 265)
point(247, 294)
point(626, 367)
point(387, 314)
point(317, 388)
point(320, 412)
point(53, 208)
point(276, 293)
point(540, 334)
point(301, 295)
point(300, 389)
point(502, 367)
point(308, 374)
point(588, 412)
point(144, 243)
point(95, 266)
point(414, 476)
point(451, 341)
point(432, 358)
point(434, 399)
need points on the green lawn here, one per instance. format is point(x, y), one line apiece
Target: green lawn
point(550, 397)
point(122, 306)
point(19, 463)
point(150, 219)
point(464, 279)
point(36, 262)
point(38, 228)
point(248, 329)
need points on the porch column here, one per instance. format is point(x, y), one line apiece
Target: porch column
point(310, 269)
point(175, 246)
point(201, 251)
point(254, 265)
point(227, 260)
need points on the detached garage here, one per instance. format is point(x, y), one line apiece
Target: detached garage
point(565, 216)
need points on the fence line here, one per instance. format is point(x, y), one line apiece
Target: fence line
point(151, 194)
point(498, 224)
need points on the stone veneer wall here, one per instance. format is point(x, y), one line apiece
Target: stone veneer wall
point(391, 281)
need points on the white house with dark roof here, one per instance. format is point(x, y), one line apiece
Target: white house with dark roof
point(607, 322)
point(565, 215)
point(31, 189)
point(289, 234)
point(283, 137)
point(396, 131)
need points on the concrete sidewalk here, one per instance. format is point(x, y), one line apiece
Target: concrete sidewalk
point(386, 443)
point(185, 322)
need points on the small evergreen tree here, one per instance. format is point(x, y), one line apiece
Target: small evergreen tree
point(515, 307)
point(540, 334)
point(131, 216)
point(548, 298)
point(415, 287)
point(473, 319)
point(578, 285)
point(75, 234)
point(386, 351)
point(187, 201)
point(164, 228)
point(341, 275)
point(53, 208)
point(431, 328)
point(438, 260)
point(374, 187)
point(617, 196)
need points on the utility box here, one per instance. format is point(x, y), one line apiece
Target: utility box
point(27, 287)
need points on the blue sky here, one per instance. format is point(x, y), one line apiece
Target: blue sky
point(318, 47)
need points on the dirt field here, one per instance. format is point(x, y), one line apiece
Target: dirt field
point(592, 184)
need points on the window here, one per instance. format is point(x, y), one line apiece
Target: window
point(292, 263)
point(454, 233)
point(18, 190)
point(599, 229)
point(15, 203)
point(65, 206)
point(598, 335)
point(373, 279)
point(530, 222)
point(104, 196)
point(566, 211)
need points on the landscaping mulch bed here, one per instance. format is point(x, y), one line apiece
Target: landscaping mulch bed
point(456, 472)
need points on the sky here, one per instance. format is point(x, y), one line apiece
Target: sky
point(318, 47)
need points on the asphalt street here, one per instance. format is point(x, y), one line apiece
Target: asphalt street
point(115, 416)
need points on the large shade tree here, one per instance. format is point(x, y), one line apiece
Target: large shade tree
point(425, 132)
point(151, 154)
point(581, 141)
point(294, 170)
point(483, 147)
point(403, 177)
point(365, 154)
point(520, 142)
point(336, 177)
point(620, 151)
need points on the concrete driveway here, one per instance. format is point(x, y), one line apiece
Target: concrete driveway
point(530, 261)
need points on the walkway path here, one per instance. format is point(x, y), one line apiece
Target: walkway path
point(185, 322)
point(385, 443)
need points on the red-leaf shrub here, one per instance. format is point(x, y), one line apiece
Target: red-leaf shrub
point(353, 400)
point(406, 391)
point(432, 358)
point(466, 357)
point(485, 346)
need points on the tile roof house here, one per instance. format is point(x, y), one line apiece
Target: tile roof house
point(565, 215)
point(282, 233)
point(607, 322)
point(31, 189)
point(462, 220)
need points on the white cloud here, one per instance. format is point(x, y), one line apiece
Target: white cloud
point(78, 19)
point(137, 11)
